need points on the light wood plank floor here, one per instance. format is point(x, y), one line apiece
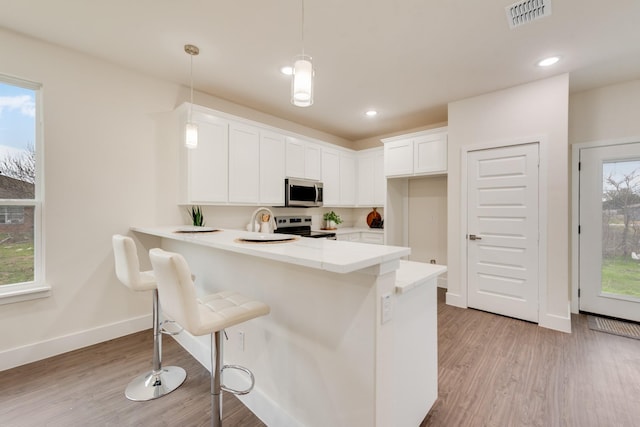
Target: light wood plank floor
point(494, 371)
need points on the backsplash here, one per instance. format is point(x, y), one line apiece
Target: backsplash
point(237, 217)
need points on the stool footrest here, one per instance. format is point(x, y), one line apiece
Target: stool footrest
point(246, 371)
point(171, 331)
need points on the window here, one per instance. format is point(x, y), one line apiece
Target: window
point(20, 191)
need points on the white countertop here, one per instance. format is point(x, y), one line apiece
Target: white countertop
point(330, 255)
point(347, 230)
point(412, 274)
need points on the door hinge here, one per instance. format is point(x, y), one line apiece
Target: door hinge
point(579, 229)
point(578, 292)
point(579, 166)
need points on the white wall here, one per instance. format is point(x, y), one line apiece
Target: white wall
point(606, 113)
point(110, 163)
point(428, 219)
point(531, 110)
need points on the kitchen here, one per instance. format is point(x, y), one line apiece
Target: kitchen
point(109, 165)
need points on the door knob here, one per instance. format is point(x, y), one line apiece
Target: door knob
point(474, 237)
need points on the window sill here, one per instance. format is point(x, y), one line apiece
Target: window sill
point(23, 292)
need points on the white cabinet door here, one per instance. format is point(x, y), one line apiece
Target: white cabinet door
point(244, 164)
point(347, 179)
point(272, 168)
point(379, 180)
point(373, 238)
point(303, 159)
point(430, 154)
point(295, 158)
point(398, 158)
point(348, 237)
point(312, 161)
point(366, 180)
point(371, 182)
point(331, 177)
point(207, 164)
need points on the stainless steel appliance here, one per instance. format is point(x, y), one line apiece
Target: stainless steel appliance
point(300, 226)
point(302, 193)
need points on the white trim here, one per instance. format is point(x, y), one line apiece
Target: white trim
point(575, 209)
point(461, 300)
point(52, 347)
point(37, 288)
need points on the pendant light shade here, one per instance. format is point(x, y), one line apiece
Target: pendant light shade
point(302, 78)
point(191, 128)
point(302, 81)
point(191, 135)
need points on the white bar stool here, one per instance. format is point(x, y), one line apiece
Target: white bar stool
point(208, 315)
point(159, 381)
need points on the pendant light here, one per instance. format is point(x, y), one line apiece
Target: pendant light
point(191, 128)
point(302, 80)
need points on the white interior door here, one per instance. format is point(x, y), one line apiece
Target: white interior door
point(502, 230)
point(609, 258)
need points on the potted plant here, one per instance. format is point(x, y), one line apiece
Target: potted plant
point(331, 219)
point(195, 213)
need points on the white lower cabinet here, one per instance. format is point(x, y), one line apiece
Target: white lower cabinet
point(362, 237)
point(374, 238)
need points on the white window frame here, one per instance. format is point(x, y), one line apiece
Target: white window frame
point(37, 288)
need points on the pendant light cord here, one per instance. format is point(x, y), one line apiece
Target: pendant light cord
point(302, 27)
point(191, 85)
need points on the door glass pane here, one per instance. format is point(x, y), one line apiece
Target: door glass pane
point(621, 228)
point(16, 244)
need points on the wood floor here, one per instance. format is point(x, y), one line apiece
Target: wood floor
point(494, 371)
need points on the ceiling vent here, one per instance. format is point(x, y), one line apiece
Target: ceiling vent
point(527, 11)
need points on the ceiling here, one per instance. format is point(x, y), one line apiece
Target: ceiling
point(405, 58)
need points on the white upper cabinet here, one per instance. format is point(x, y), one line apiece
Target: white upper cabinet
point(430, 154)
point(398, 158)
point(303, 159)
point(338, 177)
point(206, 165)
point(372, 184)
point(347, 179)
point(244, 163)
point(421, 153)
point(272, 168)
point(331, 177)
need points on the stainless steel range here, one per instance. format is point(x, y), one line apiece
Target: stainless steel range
point(300, 226)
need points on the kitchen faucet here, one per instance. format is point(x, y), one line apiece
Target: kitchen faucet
point(254, 217)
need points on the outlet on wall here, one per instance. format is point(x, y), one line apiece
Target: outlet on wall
point(386, 307)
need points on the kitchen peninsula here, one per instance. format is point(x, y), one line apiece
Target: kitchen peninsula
point(352, 335)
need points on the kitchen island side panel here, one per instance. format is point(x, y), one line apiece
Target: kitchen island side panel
point(314, 356)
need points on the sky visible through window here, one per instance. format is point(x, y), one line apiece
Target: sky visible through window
point(17, 124)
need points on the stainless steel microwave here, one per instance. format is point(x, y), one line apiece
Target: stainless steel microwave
point(302, 193)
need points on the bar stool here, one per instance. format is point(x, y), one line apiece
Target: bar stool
point(210, 314)
point(159, 381)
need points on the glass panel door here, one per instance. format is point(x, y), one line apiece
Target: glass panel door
point(610, 231)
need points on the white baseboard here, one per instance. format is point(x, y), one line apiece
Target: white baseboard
point(456, 300)
point(257, 401)
point(52, 347)
point(555, 322)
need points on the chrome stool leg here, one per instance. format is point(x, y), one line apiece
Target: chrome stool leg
point(216, 372)
point(159, 381)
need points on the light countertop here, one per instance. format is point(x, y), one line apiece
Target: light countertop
point(330, 255)
point(412, 274)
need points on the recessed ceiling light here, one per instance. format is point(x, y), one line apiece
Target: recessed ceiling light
point(287, 70)
point(547, 62)
point(371, 113)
